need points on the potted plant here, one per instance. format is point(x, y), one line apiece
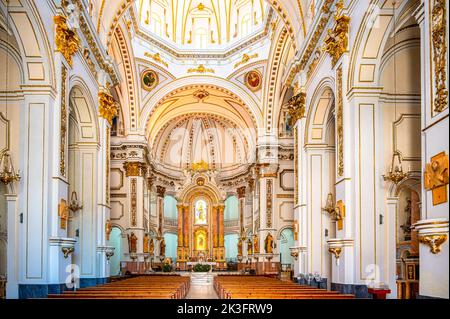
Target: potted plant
point(201, 268)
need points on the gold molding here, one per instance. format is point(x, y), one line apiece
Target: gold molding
point(435, 242)
point(63, 123)
point(340, 121)
point(438, 21)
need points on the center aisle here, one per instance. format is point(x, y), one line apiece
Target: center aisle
point(202, 292)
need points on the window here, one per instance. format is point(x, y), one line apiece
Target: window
point(201, 38)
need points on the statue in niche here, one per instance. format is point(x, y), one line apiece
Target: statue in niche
point(249, 247)
point(146, 244)
point(152, 247)
point(162, 248)
point(132, 243)
point(406, 227)
point(268, 244)
point(239, 247)
point(255, 244)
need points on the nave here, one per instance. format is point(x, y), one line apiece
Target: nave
point(222, 287)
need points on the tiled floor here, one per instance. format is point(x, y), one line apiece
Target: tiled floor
point(201, 292)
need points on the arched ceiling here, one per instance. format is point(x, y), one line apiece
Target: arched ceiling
point(201, 124)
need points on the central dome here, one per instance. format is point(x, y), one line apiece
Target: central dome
point(203, 24)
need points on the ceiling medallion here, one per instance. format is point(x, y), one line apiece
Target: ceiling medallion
point(149, 80)
point(201, 95)
point(253, 80)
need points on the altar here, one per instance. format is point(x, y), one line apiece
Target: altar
point(201, 232)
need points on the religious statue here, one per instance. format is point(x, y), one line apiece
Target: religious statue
point(268, 244)
point(63, 212)
point(239, 247)
point(162, 248)
point(146, 244)
point(132, 243)
point(249, 247)
point(406, 227)
point(108, 229)
point(152, 247)
point(255, 244)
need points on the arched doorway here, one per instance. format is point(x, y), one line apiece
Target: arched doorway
point(286, 242)
point(407, 244)
point(115, 240)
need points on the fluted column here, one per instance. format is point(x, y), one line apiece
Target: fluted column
point(180, 226)
point(221, 226)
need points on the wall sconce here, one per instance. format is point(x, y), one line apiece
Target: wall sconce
point(396, 173)
point(67, 251)
point(74, 203)
point(332, 209)
point(109, 253)
point(7, 173)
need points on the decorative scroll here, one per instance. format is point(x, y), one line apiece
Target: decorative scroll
point(134, 202)
point(67, 41)
point(340, 122)
point(439, 38)
point(269, 203)
point(201, 69)
point(63, 130)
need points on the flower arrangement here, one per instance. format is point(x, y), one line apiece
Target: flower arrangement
point(201, 268)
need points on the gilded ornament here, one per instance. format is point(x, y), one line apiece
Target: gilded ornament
point(201, 69)
point(156, 58)
point(200, 167)
point(67, 41)
point(135, 169)
point(297, 107)
point(336, 251)
point(108, 229)
point(245, 59)
point(67, 251)
point(336, 42)
point(436, 178)
point(340, 122)
point(107, 107)
point(434, 241)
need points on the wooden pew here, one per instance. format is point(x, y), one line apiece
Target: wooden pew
point(258, 287)
point(143, 287)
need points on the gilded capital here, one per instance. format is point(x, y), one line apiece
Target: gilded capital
point(336, 42)
point(135, 168)
point(107, 107)
point(66, 40)
point(297, 107)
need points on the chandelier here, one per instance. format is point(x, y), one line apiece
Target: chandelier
point(396, 173)
point(7, 173)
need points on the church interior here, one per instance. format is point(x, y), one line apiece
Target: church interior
point(224, 149)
